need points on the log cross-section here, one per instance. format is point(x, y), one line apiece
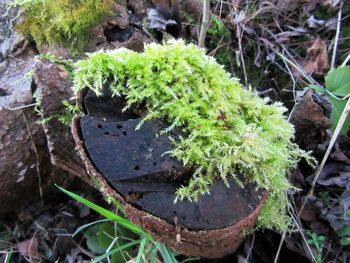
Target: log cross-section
point(124, 165)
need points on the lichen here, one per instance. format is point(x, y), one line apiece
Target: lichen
point(226, 130)
point(62, 22)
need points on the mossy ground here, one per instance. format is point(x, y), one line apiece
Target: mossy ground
point(226, 130)
point(62, 22)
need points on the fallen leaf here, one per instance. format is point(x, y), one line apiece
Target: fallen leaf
point(310, 211)
point(335, 174)
point(312, 22)
point(338, 155)
point(29, 248)
point(331, 3)
point(288, 5)
point(310, 6)
point(316, 61)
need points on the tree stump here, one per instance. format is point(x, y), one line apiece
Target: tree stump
point(131, 166)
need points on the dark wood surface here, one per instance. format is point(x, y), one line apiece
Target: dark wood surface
point(223, 207)
point(134, 163)
point(120, 152)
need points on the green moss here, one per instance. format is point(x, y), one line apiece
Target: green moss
point(226, 130)
point(218, 35)
point(63, 22)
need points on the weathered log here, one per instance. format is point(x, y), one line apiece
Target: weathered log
point(211, 228)
point(26, 174)
point(54, 87)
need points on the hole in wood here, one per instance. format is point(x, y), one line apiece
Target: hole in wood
point(99, 126)
point(3, 92)
point(106, 133)
point(119, 126)
point(137, 168)
point(124, 132)
point(154, 164)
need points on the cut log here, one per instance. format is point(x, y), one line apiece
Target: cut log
point(142, 150)
point(211, 228)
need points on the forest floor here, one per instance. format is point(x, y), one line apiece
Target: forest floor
point(278, 49)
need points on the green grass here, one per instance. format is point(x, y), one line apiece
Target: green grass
point(116, 244)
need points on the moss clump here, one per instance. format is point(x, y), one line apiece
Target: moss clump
point(63, 22)
point(226, 130)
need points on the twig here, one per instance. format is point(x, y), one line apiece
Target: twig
point(336, 37)
point(283, 237)
point(346, 60)
point(292, 61)
point(205, 23)
point(294, 85)
point(280, 246)
point(17, 108)
point(213, 52)
point(337, 130)
point(250, 249)
point(239, 37)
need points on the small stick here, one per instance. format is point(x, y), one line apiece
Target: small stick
point(205, 23)
point(336, 38)
point(19, 107)
point(250, 249)
point(280, 246)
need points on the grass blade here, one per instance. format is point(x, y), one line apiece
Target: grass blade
point(130, 244)
point(190, 259)
point(167, 256)
point(106, 213)
point(81, 228)
point(8, 257)
point(141, 250)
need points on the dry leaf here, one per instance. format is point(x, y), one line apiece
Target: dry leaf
point(29, 248)
point(288, 5)
point(310, 5)
point(316, 61)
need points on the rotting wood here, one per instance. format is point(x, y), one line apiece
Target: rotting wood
point(53, 87)
point(211, 228)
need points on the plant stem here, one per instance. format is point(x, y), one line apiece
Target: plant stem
point(205, 23)
point(336, 38)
